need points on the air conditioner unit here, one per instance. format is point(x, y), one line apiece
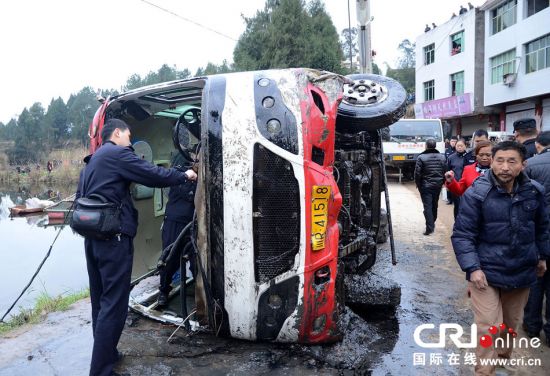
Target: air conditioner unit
point(509, 79)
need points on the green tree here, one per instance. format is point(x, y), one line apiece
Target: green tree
point(212, 68)
point(326, 49)
point(408, 55)
point(164, 74)
point(348, 41)
point(405, 76)
point(286, 33)
point(56, 124)
point(81, 109)
point(30, 136)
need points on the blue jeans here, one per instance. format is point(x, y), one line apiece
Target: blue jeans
point(532, 314)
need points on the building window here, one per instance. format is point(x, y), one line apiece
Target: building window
point(537, 54)
point(457, 83)
point(535, 6)
point(457, 43)
point(504, 16)
point(503, 64)
point(429, 91)
point(429, 54)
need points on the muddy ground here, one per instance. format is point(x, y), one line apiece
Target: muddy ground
point(377, 341)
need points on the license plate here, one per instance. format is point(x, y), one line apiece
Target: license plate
point(319, 210)
point(398, 157)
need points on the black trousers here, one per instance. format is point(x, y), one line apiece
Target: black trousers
point(170, 231)
point(109, 265)
point(532, 314)
point(456, 204)
point(430, 199)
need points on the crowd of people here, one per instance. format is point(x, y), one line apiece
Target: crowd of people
point(501, 197)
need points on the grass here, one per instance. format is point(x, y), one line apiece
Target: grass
point(44, 305)
point(66, 173)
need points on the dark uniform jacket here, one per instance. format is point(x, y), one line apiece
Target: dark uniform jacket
point(538, 168)
point(449, 151)
point(503, 235)
point(111, 170)
point(181, 202)
point(530, 148)
point(455, 163)
point(469, 158)
point(430, 169)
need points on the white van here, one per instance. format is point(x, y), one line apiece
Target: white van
point(407, 138)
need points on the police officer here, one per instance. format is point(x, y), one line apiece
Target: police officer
point(525, 131)
point(109, 173)
point(479, 135)
point(178, 214)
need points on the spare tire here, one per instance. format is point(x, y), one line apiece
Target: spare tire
point(370, 103)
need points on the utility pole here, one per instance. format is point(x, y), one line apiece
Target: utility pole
point(350, 42)
point(364, 19)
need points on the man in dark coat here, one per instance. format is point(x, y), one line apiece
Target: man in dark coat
point(109, 172)
point(500, 239)
point(525, 131)
point(429, 175)
point(451, 149)
point(479, 135)
point(538, 168)
point(179, 212)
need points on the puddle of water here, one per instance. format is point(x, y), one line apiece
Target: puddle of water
point(24, 241)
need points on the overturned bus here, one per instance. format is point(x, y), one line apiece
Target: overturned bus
point(288, 197)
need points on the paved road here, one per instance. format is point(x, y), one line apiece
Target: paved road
point(377, 343)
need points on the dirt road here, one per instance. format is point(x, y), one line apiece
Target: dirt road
point(376, 342)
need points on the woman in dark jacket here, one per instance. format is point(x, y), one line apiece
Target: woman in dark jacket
point(455, 163)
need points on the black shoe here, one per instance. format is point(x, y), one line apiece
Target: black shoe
point(162, 300)
point(529, 333)
point(427, 232)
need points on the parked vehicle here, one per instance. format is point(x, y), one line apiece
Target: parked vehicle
point(288, 195)
point(406, 139)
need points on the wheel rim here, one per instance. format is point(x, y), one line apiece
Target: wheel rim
point(364, 92)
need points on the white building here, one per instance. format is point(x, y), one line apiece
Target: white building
point(450, 74)
point(517, 60)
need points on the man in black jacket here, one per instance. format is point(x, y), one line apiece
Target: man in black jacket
point(109, 173)
point(429, 175)
point(525, 131)
point(479, 135)
point(500, 239)
point(538, 168)
point(178, 214)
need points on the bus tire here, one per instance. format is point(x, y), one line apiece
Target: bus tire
point(371, 103)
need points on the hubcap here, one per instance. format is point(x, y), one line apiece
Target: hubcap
point(364, 92)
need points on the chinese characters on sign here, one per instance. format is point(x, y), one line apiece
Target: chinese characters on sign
point(444, 108)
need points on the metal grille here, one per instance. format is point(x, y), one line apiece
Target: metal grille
point(276, 214)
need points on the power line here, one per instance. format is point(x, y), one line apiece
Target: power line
point(189, 20)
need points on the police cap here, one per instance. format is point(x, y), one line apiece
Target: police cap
point(527, 123)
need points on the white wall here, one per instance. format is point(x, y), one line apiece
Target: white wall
point(515, 36)
point(445, 64)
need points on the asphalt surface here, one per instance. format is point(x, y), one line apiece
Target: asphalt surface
point(377, 340)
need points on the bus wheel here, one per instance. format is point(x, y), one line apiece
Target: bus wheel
point(370, 103)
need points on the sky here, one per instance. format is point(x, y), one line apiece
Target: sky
point(54, 48)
